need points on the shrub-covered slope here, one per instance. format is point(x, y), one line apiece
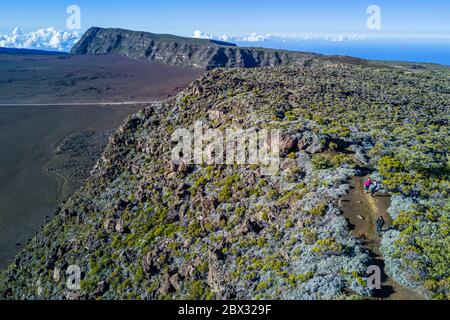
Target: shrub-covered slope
point(145, 228)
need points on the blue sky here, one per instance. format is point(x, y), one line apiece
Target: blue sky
point(431, 17)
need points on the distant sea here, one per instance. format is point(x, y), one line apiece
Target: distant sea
point(432, 51)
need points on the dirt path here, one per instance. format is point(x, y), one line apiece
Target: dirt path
point(362, 210)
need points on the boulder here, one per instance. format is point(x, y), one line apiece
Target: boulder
point(121, 205)
point(288, 144)
point(120, 226)
point(149, 263)
point(183, 167)
point(172, 216)
point(102, 287)
point(109, 225)
point(312, 143)
point(166, 285)
point(174, 281)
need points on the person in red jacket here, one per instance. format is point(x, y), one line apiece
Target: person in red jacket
point(367, 185)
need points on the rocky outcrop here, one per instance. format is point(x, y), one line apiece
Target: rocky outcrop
point(179, 51)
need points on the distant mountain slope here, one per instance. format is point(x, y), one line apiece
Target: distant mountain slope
point(197, 53)
point(30, 51)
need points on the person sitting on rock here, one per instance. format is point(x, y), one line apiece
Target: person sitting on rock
point(373, 188)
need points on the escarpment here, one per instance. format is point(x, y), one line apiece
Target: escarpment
point(180, 51)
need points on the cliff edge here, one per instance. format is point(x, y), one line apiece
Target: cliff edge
point(180, 51)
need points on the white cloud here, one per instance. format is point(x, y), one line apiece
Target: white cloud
point(254, 37)
point(200, 35)
point(321, 37)
point(42, 39)
point(224, 37)
point(342, 38)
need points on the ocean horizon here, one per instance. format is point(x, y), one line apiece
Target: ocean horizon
point(423, 51)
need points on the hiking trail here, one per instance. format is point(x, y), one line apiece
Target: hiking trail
point(362, 210)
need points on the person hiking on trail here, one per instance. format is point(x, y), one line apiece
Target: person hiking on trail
point(374, 188)
point(380, 224)
point(367, 185)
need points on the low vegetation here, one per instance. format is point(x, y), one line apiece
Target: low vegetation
point(144, 228)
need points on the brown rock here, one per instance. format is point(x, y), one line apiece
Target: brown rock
point(288, 164)
point(148, 263)
point(181, 191)
point(214, 115)
point(172, 216)
point(121, 205)
point(109, 225)
point(171, 175)
point(312, 143)
point(174, 281)
point(166, 286)
point(208, 203)
point(288, 144)
point(183, 167)
point(215, 277)
point(102, 287)
point(119, 226)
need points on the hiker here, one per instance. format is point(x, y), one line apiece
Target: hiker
point(367, 185)
point(374, 188)
point(380, 224)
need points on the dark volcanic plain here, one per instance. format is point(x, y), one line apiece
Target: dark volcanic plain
point(47, 151)
point(103, 78)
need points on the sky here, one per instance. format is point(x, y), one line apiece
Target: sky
point(405, 30)
point(429, 18)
